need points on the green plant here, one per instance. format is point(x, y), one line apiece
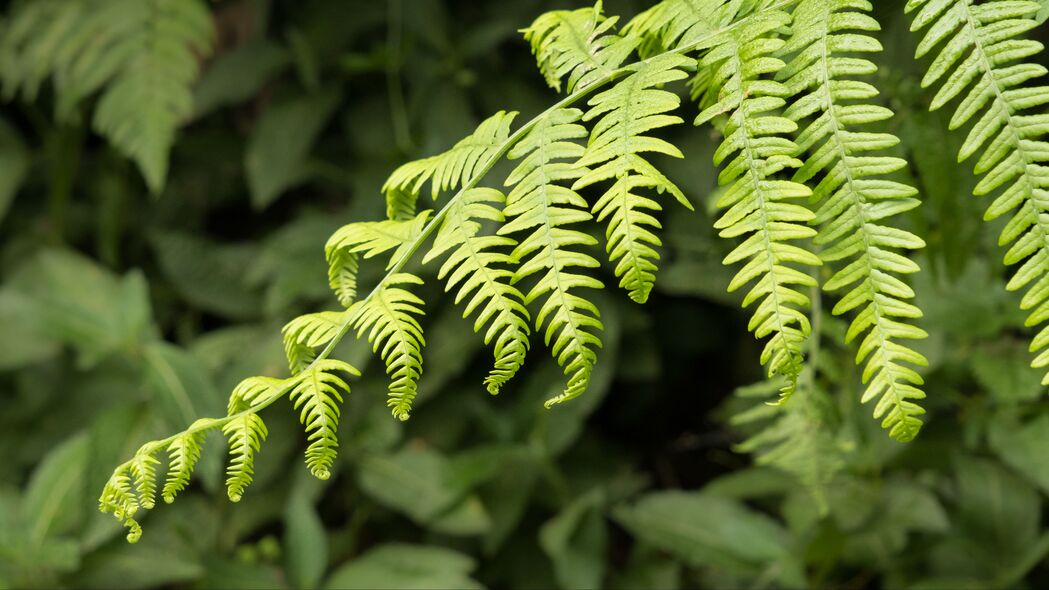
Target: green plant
point(780, 81)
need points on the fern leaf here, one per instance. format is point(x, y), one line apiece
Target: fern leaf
point(342, 275)
point(388, 318)
point(119, 500)
point(981, 62)
point(448, 170)
point(856, 199)
point(757, 205)
point(142, 54)
point(304, 334)
point(623, 115)
point(478, 265)
point(143, 471)
point(577, 45)
point(254, 392)
point(676, 23)
point(316, 395)
point(367, 239)
point(184, 452)
point(547, 210)
point(245, 431)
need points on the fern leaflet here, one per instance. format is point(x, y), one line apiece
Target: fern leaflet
point(479, 266)
point(245, 432)
point(389, 320)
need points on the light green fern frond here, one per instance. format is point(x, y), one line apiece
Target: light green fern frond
point(449, 170)
point(143, 55)
point(623, 115)
point(757, 204)
point(537, 204)
point(316, 395)
point(305, 334)
point(856, 200)
point(245, 432)
point(119, 500)
point(254, 392)
point(183, 453)
point(479, 265)
point(389, 319)
point(982, 63)
point(368, 239)
point(672, 24)
point(578, 45)
point(143, 471)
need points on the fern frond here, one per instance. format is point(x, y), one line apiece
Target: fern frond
point(342, 275)
point(142, 54)
point(245, 432)
point(183, 453)
point(856, 199)
point(143, 471)
point(119, 500)
point(578, 45)
point(254, 392)
point(479, 266)
point(316, 395)
point(757, 205)
point(304, 334)
point(367, 239)
point(389, 320)
point(546, 209)
point(449, 170)
point(673, 24)
point(623, 115)
point(982, 62)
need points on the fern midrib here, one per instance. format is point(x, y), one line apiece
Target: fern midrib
point(1016, 137)
point(435, 221)
point(756, 179)
point(858, 201)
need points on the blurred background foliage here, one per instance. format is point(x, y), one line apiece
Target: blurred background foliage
point(136, 292)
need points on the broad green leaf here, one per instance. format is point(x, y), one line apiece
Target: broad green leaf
point(405, 567)
point(237, 76)
point(208, 274)
point(706, 530)
point(23, 323)
point(54, 498)
point(277, 157)
point(85, 305)
point(306, 543)
point(576, 541)
point(1022, 446)
point(414, 481)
